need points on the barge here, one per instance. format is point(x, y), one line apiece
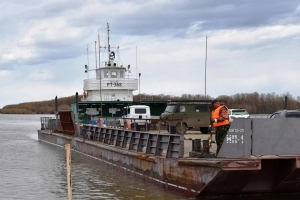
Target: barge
point(259, 155)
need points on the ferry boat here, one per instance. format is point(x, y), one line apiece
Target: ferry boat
point(112, 81)
point(111, 90)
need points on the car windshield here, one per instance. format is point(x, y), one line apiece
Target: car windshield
point(170, 108)
point(240, 112)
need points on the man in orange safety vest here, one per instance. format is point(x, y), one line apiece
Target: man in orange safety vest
point(219, 120)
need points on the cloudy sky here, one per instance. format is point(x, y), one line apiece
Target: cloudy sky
point(253, 46)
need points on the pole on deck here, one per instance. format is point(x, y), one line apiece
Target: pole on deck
point(68, 155)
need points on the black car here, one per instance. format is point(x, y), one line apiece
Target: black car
point(286, 114)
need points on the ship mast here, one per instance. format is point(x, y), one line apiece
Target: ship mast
point(108, 43)
point(100, 75)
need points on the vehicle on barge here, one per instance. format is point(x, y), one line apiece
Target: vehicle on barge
point(189, 114)
point(138, 116)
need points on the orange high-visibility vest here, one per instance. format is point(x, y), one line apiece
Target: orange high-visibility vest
point(216, 114)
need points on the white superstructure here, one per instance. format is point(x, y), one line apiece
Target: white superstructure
point(112, 82)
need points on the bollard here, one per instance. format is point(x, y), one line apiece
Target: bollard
point(197, 145)
point(193, 145)
point(205, 148)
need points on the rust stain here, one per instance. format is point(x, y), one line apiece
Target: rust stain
point(186, 176)
point(239, 164)
point(142, 157)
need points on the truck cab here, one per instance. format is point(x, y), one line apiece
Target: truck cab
point(138, 115)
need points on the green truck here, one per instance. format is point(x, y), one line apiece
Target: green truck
point(179, 116)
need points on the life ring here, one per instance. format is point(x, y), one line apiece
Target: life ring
point(85, 94)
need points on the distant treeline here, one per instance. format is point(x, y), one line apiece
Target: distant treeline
point(39, 107)
point(255, 103)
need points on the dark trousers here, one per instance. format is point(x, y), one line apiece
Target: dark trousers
point(221, 132)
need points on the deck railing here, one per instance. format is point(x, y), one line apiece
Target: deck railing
point(165, 145)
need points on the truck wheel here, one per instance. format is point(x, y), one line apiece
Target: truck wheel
point(181, 129)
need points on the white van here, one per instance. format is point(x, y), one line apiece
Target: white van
point(138, 115)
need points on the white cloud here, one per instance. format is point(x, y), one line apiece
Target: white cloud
point(249, 37)
point(43, 46)
point(54, 29)
point(4, 74)
point(41, 75)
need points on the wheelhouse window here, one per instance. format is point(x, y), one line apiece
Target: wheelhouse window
point(106, 74)
point(113, 74)
point(121, 74)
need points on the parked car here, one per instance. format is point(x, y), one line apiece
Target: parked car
point(237, 113)
point(286, 114)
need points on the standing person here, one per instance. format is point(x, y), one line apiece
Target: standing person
point(219, 120)
point(100, 121)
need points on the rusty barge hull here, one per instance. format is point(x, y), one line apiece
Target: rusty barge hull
point(163, 165)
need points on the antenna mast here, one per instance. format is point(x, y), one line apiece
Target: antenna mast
point(100, 74)
point(136, 60)
point(87, 54)
point(108, 42)
point(205, 64)
point(96, 53)
point(99, 47)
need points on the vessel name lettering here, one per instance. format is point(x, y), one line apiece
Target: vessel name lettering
point(116, 84)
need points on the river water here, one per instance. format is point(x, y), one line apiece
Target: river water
point(30, 169)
